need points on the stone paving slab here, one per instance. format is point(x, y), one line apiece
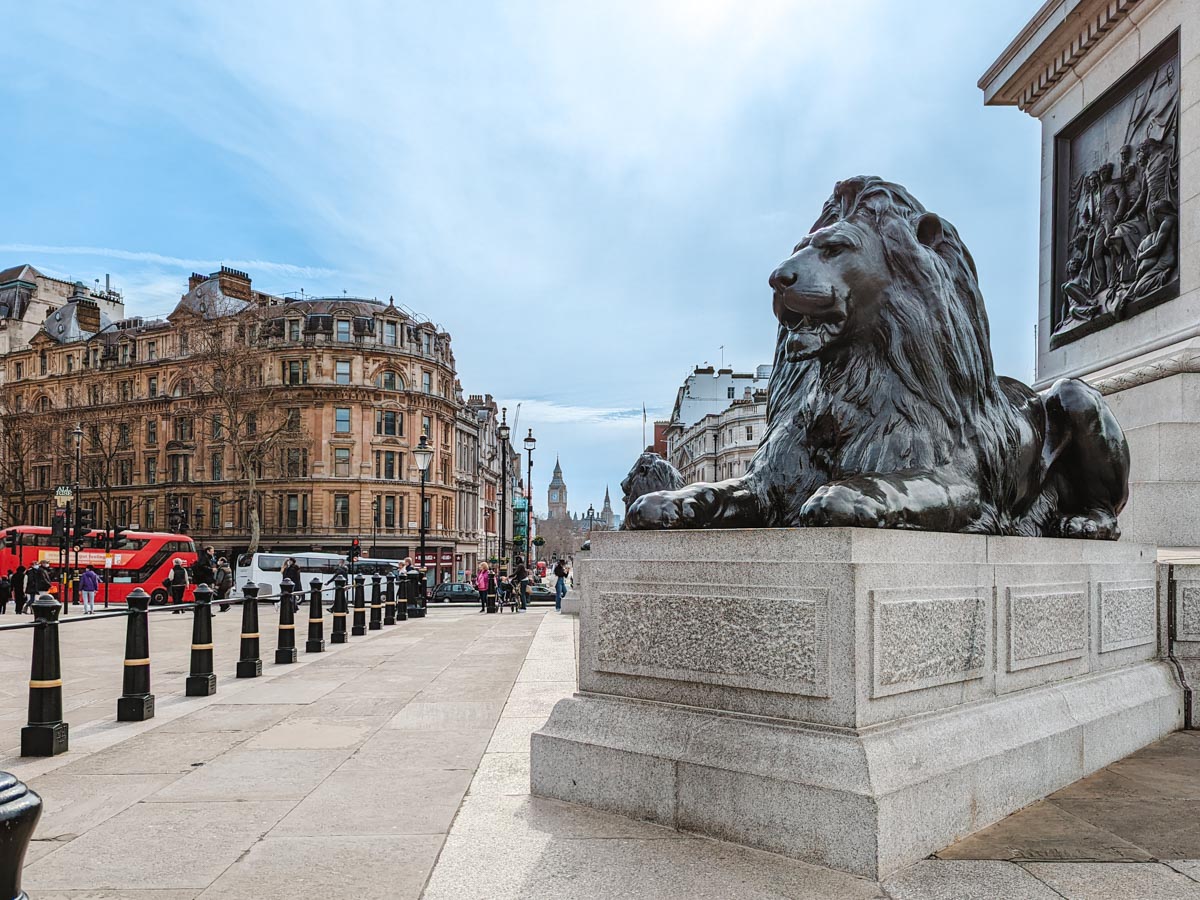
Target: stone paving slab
point(397, 766)
point(295, 784)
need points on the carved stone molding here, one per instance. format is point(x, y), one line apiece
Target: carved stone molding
point(1183, 361)
point(1065, 46)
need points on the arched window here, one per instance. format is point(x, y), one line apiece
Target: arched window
point(390, 381)
point(43, 404)
point(183, 387)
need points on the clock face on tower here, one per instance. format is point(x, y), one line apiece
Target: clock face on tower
point(554, 496)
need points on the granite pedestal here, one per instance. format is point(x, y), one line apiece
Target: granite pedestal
point(854, 698)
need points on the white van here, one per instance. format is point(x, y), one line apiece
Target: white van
point(266, 569)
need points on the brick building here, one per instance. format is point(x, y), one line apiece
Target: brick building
point(334, 395)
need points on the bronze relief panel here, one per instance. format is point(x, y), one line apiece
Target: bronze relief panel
point(1116, 195)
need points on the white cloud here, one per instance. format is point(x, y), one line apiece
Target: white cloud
point(255, 265)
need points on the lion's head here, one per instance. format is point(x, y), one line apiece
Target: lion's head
point(880, 276)
point(650, 473)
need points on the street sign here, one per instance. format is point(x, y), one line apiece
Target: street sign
point(63, 495)
point(108, 560)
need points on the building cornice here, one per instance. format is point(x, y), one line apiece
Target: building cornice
point(1049, 47)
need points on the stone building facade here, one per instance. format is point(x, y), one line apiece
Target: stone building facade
point(1115, 85)
point(720, 445)
point(350, 384)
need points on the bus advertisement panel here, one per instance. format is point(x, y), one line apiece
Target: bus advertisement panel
point(144, 561)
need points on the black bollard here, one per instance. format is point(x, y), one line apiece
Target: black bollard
point(136, 703)
point(20, 809)
point(360, 607)
point(376, 622)
point(316, 620)
point(286, 651)
point(339, 610)
point(249, 665)
point(396, 589)
point(416, 596)
point(201, 681)
point(46, 733)
point(389, 603)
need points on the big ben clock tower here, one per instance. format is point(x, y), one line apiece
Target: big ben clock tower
point(556, 494)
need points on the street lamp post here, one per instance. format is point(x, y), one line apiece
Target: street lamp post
point(423, 455)
point(374, 522)
point(503, 432)
point(530, 444)
point(72, 518)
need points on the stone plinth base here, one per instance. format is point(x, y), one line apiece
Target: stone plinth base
point(854, 698)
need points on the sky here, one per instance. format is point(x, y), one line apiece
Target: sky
point(588, 196)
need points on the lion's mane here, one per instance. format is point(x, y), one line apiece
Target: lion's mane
point(920, 376)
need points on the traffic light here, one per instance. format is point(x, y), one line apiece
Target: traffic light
point(355, 550)
point(12, 540)
point(119, 538)
point(83, 521)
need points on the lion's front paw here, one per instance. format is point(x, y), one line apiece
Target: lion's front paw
point(1097, 525)
point(660, 509)
point(836, 505)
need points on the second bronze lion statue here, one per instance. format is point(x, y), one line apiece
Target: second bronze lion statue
point(884, 408)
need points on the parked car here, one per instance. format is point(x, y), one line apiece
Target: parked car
point(539, 592)
point(455, 592)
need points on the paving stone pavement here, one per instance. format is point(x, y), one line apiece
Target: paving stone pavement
point(397, 766)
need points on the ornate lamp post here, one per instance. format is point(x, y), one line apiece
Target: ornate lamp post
point(423, 455)
point(503, 432)
point(69, 535)
point(374, 522)
point(530, 444)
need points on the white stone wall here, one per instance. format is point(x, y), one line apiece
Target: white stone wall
point(1147, 25)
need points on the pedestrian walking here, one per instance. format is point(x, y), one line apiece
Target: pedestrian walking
point(177, 583)
point(89, 583)
point(483, 584)
point(291, 572)
point(223, 582)
point(521, 580)
point(6, 594)
point(560, 585)
point(37, 581)
point(18, 587)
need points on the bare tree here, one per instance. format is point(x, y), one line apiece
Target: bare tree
point(24, 440)
point(230, 383)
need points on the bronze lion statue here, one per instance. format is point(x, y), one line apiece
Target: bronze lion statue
point(650, 473)
point(884, 409)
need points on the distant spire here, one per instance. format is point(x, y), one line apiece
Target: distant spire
point(557, 467)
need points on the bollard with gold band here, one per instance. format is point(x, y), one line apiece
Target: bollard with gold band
point(376, 622)
point(249, 664)
point(396, 589)
point(286, 651)
point(389, 603)
point(339, 610)
point(20, 809)
point(201, 682)
point(136, 703)
point(360, 607)
point(46, 733)
point(316, 620)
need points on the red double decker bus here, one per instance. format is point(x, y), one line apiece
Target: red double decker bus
point(144, 561)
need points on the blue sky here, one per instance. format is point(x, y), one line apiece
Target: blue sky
point(589, 197)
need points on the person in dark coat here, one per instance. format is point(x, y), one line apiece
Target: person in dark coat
point(223, 582)
point(18, 587)
point(291, 572)
point(5, 594)
point(178, 582)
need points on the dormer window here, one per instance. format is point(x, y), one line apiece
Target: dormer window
point(343, 329)
point(389, 333)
